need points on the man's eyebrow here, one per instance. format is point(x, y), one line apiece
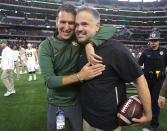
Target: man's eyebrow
point(62, 21)
point(84, 23)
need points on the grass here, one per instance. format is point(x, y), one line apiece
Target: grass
point(26, 110)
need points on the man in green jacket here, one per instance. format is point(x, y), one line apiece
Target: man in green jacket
point(58, 59)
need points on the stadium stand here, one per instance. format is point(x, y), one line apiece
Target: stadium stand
point(34, 20)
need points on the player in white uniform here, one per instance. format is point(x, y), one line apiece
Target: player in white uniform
point(23, 60)
point(31, 57)
point(16, 57)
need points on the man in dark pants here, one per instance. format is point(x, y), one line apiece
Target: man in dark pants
point(155, 61)
point(101, 96)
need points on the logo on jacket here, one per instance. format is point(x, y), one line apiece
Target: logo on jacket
point(161, 52)
point(148, 56)
point(75, 43)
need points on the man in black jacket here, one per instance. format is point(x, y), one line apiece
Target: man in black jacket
point(101, 96)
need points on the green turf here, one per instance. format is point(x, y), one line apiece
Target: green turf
point(26, 110)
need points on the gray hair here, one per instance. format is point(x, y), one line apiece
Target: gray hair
point(92, 11)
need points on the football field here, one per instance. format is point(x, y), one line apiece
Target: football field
point(26, 110)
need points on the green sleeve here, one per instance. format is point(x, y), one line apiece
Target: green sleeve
point(105, 32)
point(46, 65)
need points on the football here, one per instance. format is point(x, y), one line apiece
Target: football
point(131, 108)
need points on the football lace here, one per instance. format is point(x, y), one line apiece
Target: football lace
point(126, 105)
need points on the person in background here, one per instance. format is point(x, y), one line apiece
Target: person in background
point(31, 57)
point(101, 96)
point(133, 53)
point(23, 63)
point(17, 60)
point(7, 65)
point(154, 60)
point(37, 67)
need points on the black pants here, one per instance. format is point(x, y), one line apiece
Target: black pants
point(155, 86)
point(72, 113)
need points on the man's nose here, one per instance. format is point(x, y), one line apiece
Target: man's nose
point(79, 28)
point(66, 26)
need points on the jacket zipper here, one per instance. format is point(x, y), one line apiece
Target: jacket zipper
point(116, 93)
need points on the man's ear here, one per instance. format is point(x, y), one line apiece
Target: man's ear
point(97, 27)
point(56, 21)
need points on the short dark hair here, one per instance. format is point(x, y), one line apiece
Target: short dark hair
point(68, 8)
point(92, 11)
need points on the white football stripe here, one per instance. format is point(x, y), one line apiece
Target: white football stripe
point(136, 99)
point(124, 119)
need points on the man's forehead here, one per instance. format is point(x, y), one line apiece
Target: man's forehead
point(84, 14)
point(66, 17)
point(84, 19)
point(62, 13)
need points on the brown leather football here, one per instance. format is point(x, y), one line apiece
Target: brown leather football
point(131, 108)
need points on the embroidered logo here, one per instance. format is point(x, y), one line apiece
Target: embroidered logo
point(148, 56)
point(75, 43)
